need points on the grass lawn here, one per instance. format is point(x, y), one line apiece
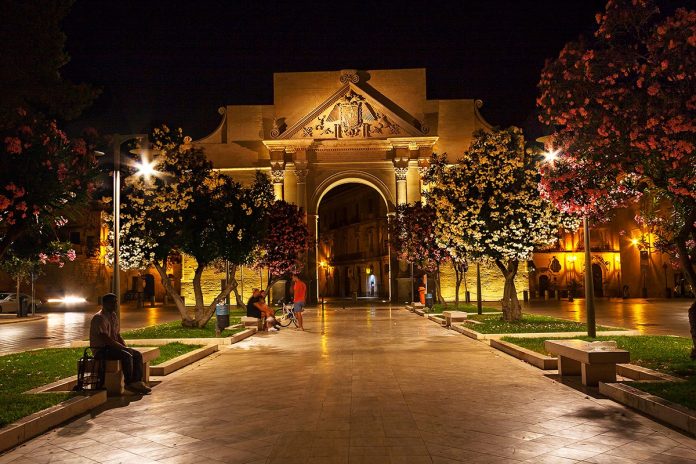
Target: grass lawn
point(530, 323)
point(175, 330)
point(465, 307)
point(658, 352)
point(20, 372)
point(170, 351)
point(680, 393)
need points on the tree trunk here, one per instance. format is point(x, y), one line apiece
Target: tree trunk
point(198, 294)
point(438, 288)
point(457, 283)
point(512, 311)
point(166, 282)
point(238, 298)
point(689, 273)
point(206, 312)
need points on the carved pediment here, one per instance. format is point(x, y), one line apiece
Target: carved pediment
point(351, 113)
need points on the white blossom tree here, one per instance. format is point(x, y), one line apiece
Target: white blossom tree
point(489, 204)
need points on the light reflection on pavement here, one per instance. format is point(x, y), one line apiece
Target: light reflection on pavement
point(59, 328)
point(649, 316)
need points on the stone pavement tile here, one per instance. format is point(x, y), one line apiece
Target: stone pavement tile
point(228, 454)
point(359, 459)
point(341, 459)
point(134, 459)
point(368, 451)
point(188, 458)
point(161, 453)
point(682, 452)
point(572, 453)
point(667, 459)
point(609, 459)
point(550, 459)
point(522, 435)
point(592, 446)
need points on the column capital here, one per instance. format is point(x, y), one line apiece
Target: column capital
point(277, 174)
point(301, 175)
point(401, 173)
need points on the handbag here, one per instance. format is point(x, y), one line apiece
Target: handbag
point(90, 372)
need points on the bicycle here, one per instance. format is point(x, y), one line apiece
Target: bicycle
point(285, 314)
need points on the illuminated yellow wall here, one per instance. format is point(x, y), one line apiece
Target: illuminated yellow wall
point(492, 282)
point(211, 281)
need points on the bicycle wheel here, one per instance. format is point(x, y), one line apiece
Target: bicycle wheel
point(284, 318)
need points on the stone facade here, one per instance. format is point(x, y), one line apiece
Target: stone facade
point(327, 129)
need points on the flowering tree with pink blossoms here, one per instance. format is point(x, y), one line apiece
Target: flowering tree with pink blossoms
point(412, 238)
point(44, 176)
point(287, 239)
point(622, 106)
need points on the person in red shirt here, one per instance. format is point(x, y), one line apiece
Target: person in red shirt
point(299, 291)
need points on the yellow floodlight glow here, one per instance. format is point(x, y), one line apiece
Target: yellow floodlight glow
point(634, 241)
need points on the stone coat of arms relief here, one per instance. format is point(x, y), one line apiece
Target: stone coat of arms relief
point(352, 116)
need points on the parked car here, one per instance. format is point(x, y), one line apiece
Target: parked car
point(9, 301)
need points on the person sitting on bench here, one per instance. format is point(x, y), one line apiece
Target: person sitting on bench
point(256, 307)
point(107, 344)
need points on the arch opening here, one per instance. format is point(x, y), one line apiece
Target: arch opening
point(352, 250)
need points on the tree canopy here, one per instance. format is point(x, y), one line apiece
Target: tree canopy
point(622, 109)
point(489, 204)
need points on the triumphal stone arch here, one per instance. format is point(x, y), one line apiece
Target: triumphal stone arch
point(326, 129)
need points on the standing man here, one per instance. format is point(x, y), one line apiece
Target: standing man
point(299, 292)
point(106, 343)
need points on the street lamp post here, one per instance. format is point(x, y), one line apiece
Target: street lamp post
point(118, 140)
point(589, 283)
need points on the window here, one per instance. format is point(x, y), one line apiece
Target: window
point(75, 238)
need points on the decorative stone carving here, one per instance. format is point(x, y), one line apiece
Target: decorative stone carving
point(301, 175)
point(351, 117)
point(277, 175)
point(349, 75)
point(275, 131)
point(400, 173)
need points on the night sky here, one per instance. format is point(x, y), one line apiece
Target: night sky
point(177, 61)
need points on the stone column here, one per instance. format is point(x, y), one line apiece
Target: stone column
point(301, 174)
point(413, 186)
point(401, 173)
point(278, 175)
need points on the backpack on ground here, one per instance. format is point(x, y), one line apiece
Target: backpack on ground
point(90, 372)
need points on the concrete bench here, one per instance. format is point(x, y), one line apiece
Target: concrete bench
point(453, 316)
point(594, 361)
point(113, 378)
point(252, 322)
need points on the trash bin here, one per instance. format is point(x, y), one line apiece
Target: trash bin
point(429, 300)
point(222, 314)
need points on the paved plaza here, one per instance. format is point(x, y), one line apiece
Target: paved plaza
point(363, 385)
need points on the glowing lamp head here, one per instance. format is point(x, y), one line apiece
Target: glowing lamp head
point(551, 156)
point(634, 241)
point(146, 168)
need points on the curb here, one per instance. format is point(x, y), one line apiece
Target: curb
point(186, 341)
point(545, 363)
point(653, 406)
point(19, 320)
point(31, 426)
point(185, 359)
